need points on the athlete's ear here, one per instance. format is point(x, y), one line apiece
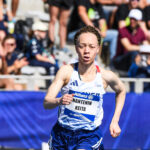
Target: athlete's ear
point(98, 50)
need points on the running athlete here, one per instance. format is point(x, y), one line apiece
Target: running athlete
point(82, 87)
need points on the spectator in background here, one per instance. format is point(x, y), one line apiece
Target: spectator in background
point(112, 6)
point(7, 84)
point(35, 49)
point(59, 9)
point(13, 62)
point(129, 41)
point(14, 7)
point(6, 18)
point(10, 64)
point(121, 18)
point(2, 35)
point(90, 12)
point(137, 70)
point(143, 3)
point(147, 16)
point(146, 25)
point(112, 2)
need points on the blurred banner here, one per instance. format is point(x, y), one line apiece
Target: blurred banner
point(24, 123)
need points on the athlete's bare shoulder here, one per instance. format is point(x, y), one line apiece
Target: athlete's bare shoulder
point(66, 69)
point(64, 73)
point(107, 74)
point(110, 78)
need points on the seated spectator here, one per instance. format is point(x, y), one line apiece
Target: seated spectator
point(137, 70)
point(10, 64)
point(5, 83)
point(146, 24)
point(13, 62)
point(143, 3)
point(90, 12)
point(147, 16)
point(2, 35)
point(35, 49)
point(129, 41)
point(121, 18)
point(110, 6)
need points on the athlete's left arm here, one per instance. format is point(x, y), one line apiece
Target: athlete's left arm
point(116, 84)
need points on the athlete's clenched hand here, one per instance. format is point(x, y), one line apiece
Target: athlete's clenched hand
point(114, 129)
point(66, 99)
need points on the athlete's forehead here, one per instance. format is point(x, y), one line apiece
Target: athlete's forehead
point(88, 37)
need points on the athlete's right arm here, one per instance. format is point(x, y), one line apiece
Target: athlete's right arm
point(61, 79)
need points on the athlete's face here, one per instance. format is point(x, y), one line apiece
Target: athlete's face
point(87, 48)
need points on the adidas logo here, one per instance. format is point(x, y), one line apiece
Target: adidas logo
point(74, 83)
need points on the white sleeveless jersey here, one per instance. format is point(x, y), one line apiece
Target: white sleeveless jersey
point(85, 111)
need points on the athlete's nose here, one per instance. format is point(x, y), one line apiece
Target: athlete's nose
point(87, 49)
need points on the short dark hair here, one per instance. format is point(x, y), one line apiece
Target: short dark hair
point(9, 36)
point(88, 29)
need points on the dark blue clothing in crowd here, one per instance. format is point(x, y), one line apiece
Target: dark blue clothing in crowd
point(2, 27)
point(35, 47)
point(136, 71)
point(11, 60)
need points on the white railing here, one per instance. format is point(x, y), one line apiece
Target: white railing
point(32, 80)
point(139, 83)
point(29, 80)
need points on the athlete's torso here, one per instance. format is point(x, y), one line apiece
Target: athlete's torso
point(85, 111)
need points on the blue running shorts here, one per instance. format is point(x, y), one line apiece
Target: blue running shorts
point(65, 139)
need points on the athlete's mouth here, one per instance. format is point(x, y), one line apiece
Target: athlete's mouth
point(86, 57)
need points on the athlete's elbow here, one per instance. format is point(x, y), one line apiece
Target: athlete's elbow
point(45, 104)
point(121, 91)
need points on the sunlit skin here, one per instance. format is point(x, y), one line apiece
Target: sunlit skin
point(9, 45)
point(148, 60)
point(138, 59)
point(134, 3)
point(87, 48)
point(40, 34)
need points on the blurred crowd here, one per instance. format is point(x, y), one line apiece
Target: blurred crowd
point(123, 24)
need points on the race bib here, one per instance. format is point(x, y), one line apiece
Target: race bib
point(85, 104)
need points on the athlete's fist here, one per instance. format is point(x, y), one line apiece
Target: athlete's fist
point(114, 129)
point(66, 99)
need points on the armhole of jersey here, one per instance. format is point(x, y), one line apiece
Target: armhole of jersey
point(97, 67)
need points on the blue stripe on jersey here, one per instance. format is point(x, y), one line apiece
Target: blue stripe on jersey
point(79, 116)
point(85, 95)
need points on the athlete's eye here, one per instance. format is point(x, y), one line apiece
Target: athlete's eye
point(92, 46)
point(81, 46)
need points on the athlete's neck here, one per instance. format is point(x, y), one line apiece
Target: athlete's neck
point(87, 72)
